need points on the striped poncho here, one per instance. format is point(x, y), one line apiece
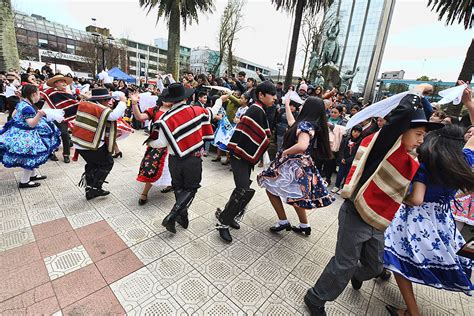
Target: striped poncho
point(61, 100)
point(252, 135)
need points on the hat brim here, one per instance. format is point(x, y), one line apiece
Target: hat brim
point(100, 98)
point(187, 93)
point(430, 126)
point(52, 81)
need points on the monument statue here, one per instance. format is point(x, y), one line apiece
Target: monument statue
point(331, 46)
point(346, 80)
point(313, 66)
point(318, 79)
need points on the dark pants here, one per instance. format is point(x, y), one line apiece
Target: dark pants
point(99, 163)
point(11, 105)
point(3, 103)
point(65, 138)
point(359, 254)
point(329, 167)
point(342, 174)
point(241, 170)
point(186, 174)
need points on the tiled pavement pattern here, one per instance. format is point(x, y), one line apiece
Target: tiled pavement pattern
point(62, 254)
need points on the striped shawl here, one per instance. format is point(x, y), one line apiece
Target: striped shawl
point(185, 128)
point(61, 100)
point(91, 124)
point(252, 135)
point(380, 197)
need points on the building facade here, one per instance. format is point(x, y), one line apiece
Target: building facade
point(204, 60)
point(40, 40)
point(364, 27)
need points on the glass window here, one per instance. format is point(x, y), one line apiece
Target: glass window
point(61, 40)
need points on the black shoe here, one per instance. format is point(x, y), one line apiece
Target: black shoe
point(234, 224)
point(393, 311)
point(66, 159)
point(94, 192)
point(169, 222)
point(279, 228)
point(183, 219)
point(142, 201)
point(224, 233)
point(53, 157)
point(313, 309)
point(36, 178)
point(117, 155)
point(216, 159)
point(167, 189)
point(385, 275)
point(28, 185)
point(301, 230)
point(356, 284)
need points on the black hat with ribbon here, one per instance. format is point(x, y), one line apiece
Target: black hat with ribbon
point(175, 93)
point(99, 94)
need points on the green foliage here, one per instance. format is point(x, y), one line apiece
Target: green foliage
point(189, 9)
point(460, 10)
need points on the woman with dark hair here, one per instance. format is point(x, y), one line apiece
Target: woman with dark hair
point(122, 86)
point(318, 92)
point(422, 242)
point(27, 140)
point(292, 176)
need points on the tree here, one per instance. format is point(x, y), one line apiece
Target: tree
point(298, 7)
point(172, 11)
point(309, 29)
point(426, 78)
point(115, 54)
point(8, 48)
point(460, 10)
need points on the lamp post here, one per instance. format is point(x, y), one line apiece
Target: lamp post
point(102, 43)
point(280, 68)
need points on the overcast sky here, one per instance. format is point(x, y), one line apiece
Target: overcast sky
point(418, 43)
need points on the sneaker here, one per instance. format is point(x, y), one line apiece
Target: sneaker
point(335, 190)
point(313, 309)
point(66, 159)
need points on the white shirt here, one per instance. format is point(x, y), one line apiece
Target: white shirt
point(10, 90)
point(161, 141)
point(115, 115)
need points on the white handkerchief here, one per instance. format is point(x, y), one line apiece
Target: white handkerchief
point(219, 88)
point(54, 115)
point(293, 97)
point(453, 94)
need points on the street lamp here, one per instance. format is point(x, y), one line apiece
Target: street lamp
point(280, 67)
point(102, 44)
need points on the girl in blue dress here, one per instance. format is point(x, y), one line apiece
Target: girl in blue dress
point(422, 241)
point(292, 176)
point(27, 140)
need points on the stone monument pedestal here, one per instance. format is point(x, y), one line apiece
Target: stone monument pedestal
point(331, 74)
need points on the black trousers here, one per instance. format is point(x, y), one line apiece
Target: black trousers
point(99, 163)
point(65, 138)
point(11, 105)
point(241, 170)
point(186, 173)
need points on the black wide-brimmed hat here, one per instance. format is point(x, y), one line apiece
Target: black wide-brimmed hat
point(99, 94)
point(176, 92)
point(419, 119)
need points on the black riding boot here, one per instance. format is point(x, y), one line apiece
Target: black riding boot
point(183, 201)
point(227, 216)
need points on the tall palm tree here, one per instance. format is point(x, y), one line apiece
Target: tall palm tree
point(462, 11)
point(8, 48)
point(172, 11)
point(298, 7)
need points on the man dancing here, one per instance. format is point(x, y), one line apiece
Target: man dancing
point(247, 145)
point(57, 97)
point(183, 129)
point(94, 135)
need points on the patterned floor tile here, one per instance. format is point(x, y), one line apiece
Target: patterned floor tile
point(102, 302)
point(197, 252)
point(178, 240)
point(58, 243)
point(151, 249)
point(307, 271)
point(247, 293)
point(275, 306)
point(67, 262)
point(299, 243)
point(16, 238)
point(118, 265)
point(219, 271)
point(136, 289)
point(12, 223)
point(241, 255)
point(292, 290)
point(84, 218)
point(192, 291)
point(201, 226)
point(212, 239)
point(160, 304)
point(112, 210)
point(283, 257)
point(170, 268)
point(267, 273)
point(219, 305)
point(44, 215)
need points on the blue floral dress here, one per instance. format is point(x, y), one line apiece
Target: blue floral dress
point(26, 147)
point(295, 178)
point(422, 241)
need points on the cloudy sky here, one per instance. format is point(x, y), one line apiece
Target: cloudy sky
point(418, 43)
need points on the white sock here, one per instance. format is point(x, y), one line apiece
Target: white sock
point(34, 172)
point(25, 178)
point(304, 225)
point(282, 222)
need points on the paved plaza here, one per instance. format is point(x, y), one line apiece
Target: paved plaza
point(62, 254)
